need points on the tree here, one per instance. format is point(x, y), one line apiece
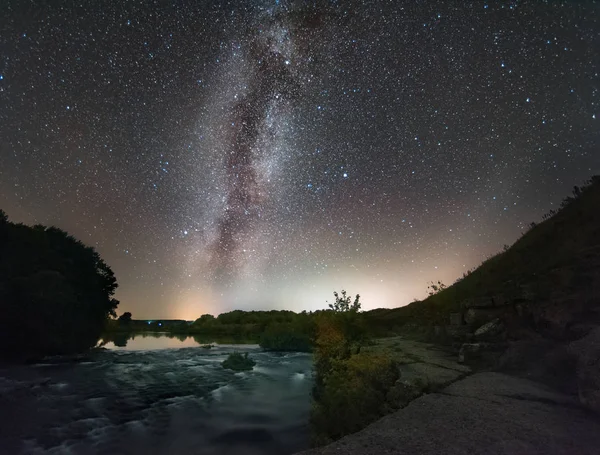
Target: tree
point(344, 303)
point(125, 318)
point(204, 319)
point(55, 292)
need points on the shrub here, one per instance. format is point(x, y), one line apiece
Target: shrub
point(355, 388)
point(284, 338)
point(348, 382)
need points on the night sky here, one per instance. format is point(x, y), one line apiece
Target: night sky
point(262, 154)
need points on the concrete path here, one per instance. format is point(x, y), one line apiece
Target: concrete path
point(486, 413)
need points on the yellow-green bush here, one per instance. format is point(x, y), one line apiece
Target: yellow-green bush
point(351, 395)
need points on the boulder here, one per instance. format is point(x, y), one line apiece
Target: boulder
point(438, 334)
point(478, 316)
point(587, 352)
point(470, 352)
point(500, 300)
point(545, 361)
point(403, 392)
point(526, 293)
point(459, 332)
point(493, 330)
point(554, 318)
point(579, 330)
point(485, 309)
point(456, 319)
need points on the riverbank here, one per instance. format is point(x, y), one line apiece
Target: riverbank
point(424, 367)
point(481, 414)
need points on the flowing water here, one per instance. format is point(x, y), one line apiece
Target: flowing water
point(157, 396)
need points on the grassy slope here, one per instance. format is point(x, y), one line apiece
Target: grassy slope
point(554, 253)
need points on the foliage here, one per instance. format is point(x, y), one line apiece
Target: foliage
point(55, 292)
point(348, 381)
point(435, 288)
point(274, 330)
point(344, 303)
point(285, 337)
point(238, 362)
point(125, 318)
point(355, 388)
point(205, 319)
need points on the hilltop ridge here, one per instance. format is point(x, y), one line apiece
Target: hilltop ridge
point(549, 277)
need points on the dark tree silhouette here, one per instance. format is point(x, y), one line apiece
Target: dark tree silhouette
point(125, 318)
point(55, 292)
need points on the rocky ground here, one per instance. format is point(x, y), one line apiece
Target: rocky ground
point(448, 407)
point(485, 413)
point(424, 367)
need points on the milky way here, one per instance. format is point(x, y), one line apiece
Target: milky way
point(271, 83)
point(262, 154)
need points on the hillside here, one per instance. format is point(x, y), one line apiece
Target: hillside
point(552, 271)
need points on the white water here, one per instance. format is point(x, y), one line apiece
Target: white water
point(157, 401)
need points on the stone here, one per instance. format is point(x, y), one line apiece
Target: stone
point(470, 352)
point(480, 353)
point(427, 377)
point(553, 318)
point(459, 332)
point(526, 293)
point(482, 414)
point(439, 335)
point(545, 361)
point(587, 352)
point(493, 330)
point(456, 319)
point(500, 300)
point(579, 330)
point(403, 393)
point(479, 316)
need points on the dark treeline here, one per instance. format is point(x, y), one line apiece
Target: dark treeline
point(278, 330)
point(55, 292)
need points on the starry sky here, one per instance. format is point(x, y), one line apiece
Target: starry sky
point(262, 154)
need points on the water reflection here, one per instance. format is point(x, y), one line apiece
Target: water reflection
point(129, 341)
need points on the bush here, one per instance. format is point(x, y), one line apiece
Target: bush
point(285, 338)
point(355, 388)
point(238, 362)
point(348, 382)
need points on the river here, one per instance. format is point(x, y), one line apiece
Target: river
point(157, 395)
